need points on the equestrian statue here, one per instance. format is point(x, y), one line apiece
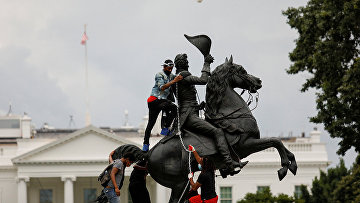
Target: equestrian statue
point(169, 162)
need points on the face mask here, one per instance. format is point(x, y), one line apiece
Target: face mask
point(167, 72)
point(199, 166)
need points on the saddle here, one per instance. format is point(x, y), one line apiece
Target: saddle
point(204, 145)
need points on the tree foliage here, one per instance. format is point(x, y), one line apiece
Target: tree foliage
point(348, 189)
point(259, 196)
point(328, 49)
point(337, 185)
point(305, 195)
point(266, 196)
point(322, 188)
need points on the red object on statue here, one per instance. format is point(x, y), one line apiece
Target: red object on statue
point(197, 199)
point(151, 98)
point(191, 148)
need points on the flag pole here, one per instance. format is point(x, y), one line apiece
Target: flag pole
point(87, 116)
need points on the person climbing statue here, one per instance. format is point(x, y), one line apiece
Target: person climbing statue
point(137, 185)
point(161, 99)
point(189, 108)
point(112, 190)
point(206, 180)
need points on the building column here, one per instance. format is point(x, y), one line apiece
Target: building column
point(68, 188)
point(161, 193)
point(22, 189)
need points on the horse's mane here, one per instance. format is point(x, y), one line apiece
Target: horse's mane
point(218, 83)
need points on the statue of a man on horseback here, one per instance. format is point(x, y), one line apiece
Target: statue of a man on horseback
point(189, 108)
point(229, 124)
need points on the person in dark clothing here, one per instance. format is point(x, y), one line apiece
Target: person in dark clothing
point(206, 180)
point(161, 99)
point(137, 186)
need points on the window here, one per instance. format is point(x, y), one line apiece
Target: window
point(89, 195)
point(9, 123)
point(225, 194)
point(297, 192)
point(46, 195)
point(262, 188)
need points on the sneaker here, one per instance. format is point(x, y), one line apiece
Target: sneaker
point(165, 131)
point(145, 147)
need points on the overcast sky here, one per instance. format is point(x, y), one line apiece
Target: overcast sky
point(42, 65)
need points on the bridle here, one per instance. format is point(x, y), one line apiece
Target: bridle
point(249, 101)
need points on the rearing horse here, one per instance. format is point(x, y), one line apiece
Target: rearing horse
point(169, 162)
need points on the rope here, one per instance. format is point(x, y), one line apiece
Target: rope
point(181, 140)
point(257, 100)
point(184, 191)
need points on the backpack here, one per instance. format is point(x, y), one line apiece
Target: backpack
point(104, 176)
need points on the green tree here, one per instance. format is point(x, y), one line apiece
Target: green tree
point(348, 189)
point(338, 185)
point(264, 196)
point(283, 198)
point(323, 188)
point(304, 196)
point(328, 49)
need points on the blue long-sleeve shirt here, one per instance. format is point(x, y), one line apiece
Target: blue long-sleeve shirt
point(161, 79)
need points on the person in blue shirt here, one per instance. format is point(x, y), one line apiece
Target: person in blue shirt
point(161, 99)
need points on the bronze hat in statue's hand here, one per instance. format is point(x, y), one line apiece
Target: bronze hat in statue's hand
point(209, 59)
point(202, 42)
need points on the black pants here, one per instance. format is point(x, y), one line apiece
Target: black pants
point(139, 193)
point(198, 125)
point(154, 109)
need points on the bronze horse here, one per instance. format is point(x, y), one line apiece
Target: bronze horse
point(168, 161)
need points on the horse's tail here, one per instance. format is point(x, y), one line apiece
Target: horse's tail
point(129, 148)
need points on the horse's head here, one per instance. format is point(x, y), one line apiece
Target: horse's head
point(226, 75)
point(238, 77)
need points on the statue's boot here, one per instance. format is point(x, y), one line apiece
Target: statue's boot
point(232, 167)
point(240, 164)
point(223, 148)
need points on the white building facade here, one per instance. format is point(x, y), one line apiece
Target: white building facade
point(61, 166)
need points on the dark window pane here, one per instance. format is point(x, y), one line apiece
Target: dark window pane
point(46, 196)
point(297, 191)
point(225, 194)
point(262, 188)
point(89, 195)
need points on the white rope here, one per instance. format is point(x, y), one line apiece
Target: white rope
point(178, 123)
point(181, 140)
point(183, 191)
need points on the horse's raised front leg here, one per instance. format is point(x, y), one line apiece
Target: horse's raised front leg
point(179, 192)
point(251, 146)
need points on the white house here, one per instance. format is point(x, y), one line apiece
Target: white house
point(61, 165)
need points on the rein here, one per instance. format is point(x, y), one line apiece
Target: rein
point(238, 109)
